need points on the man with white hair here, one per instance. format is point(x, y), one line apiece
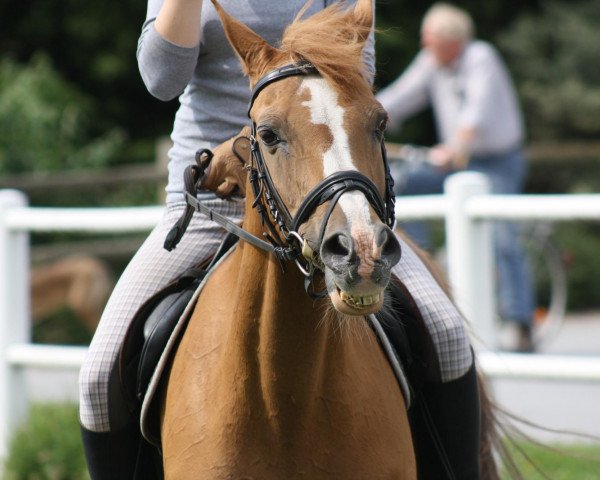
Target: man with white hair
point(480, 128)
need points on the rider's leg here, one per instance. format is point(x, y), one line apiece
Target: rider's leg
point(104, 416)
point(451, 403)
point(451, 410)
point(516, 299)
point(111, 454)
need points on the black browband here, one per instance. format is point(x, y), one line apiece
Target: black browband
point(286, 244)
point(295, 69)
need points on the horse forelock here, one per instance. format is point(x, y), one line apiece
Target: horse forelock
point(333, 42)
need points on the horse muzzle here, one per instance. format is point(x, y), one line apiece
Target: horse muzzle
point(358, 266)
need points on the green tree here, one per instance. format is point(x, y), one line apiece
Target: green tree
point(92, 44)
point(554, 57)
point(45, 122)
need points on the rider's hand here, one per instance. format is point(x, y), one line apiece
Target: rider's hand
point(447, 157)
point(441, 157)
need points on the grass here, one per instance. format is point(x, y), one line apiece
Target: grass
point(563, 462)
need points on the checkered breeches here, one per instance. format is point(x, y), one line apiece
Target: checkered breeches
point(445, 323)
point(152, 267)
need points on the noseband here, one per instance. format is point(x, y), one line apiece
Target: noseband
point(287, 244)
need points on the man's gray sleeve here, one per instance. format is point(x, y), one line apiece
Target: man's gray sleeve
point(409, 93)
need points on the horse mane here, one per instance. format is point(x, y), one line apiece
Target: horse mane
point(333, 42)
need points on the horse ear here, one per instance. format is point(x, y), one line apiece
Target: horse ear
point(252, 49)
point(363, 16)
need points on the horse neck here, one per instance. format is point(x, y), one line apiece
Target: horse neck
point(278, 336)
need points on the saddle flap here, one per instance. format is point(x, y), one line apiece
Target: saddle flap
point(157, 330)
point(150, 322)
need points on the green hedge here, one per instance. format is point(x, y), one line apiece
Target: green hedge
point(48, 447)
point(579, 243)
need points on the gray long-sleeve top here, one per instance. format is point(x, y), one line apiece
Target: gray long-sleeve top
point(476, 92)
point(213, 92)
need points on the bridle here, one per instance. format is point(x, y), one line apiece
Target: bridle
point(282, 238)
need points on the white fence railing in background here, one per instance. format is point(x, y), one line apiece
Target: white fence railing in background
point(466, 206)
point(17, 352)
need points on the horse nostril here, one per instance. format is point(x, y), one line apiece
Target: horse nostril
point(337, 245)
point(389, 244)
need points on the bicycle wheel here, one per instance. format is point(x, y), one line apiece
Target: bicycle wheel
point(550, 281)
point(549, 276)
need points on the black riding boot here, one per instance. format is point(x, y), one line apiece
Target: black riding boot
point(111, 455)
point(446, 429)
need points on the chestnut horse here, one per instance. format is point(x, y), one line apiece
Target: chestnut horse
point(269, 382)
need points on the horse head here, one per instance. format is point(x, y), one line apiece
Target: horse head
point(226, 173)
point(319, 131)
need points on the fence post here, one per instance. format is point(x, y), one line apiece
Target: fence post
point(470, 257)
point(14, 316)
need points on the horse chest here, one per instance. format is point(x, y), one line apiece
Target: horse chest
point(293, 398)
point(323, 444)
point(255, 418)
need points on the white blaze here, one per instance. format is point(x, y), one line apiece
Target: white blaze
point(325, 110)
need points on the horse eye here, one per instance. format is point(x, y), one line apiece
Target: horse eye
point(269, 137)
point(382, 126)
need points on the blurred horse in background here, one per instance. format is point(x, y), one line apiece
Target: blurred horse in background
point(79, 283)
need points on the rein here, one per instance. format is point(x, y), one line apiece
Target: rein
point(192, 178)
point(282, 238)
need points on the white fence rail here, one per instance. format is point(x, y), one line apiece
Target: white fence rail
point(17, 352)
point(466, 207)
